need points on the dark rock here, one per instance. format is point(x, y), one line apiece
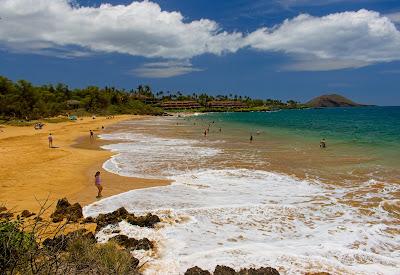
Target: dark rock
point(224, 270)
point(114, 217)
point(132, 243)
point(144, 244)
point(64, 210)
point(27, 214)
point(75, 212)
point(124, 241)
point(259, 271)
point(60, 243)
point(89, 220)
point(62, 206)
point(6, 215)
point(143, 221)
point(120, 214)
point(197, 271)
point(3, 208)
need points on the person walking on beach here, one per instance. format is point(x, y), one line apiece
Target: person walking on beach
point(322, 144)
point(50, 139)
point(97, 182)
point(91, 136)
point(251, 138)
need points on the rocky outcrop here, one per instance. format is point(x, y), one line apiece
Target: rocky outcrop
point(64, 210)
point(121, 214)
point(132, 243)
point(225, 270)
point(332, 100)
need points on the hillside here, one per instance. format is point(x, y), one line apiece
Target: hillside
point(332, 100)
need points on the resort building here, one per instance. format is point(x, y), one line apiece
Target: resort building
point(168, 105)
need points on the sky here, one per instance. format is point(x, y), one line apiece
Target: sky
point(281, 49)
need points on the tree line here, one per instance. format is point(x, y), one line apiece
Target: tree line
point(23, 100)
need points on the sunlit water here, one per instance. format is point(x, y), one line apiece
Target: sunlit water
point(279, 201)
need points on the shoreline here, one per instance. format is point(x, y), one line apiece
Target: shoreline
point(32, 173)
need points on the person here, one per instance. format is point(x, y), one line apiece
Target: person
point(102, 127)
point(205, 132)
point(220, 129)
point(91, 135)
point(322, 144)
point(97, 182)
point(50, 138)
point(251, 138)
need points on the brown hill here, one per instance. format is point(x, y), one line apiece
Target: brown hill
point(332, 100)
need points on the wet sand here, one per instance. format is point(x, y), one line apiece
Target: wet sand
point(30, 172)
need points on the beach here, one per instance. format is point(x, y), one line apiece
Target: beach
point(32, 173)
point(279, 201)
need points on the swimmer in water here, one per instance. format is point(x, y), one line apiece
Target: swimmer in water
point(322, 144)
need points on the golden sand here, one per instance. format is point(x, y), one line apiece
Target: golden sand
point(30, 171)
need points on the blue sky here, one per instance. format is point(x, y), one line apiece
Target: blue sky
point(284, 49)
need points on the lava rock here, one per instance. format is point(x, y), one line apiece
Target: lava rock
point(27, 214)
point(197, 271)
point(224, 270)
point(132, 243)
point(6, 215)
point(143, 221)
point(259, 271)
point(120, 214)
point(64, 210)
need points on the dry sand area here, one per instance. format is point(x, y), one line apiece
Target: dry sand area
point(30, 171)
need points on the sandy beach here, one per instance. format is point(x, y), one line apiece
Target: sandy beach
point(31, 172)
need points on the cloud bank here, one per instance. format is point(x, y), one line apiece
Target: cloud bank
point(62, 28)
point(140, 28)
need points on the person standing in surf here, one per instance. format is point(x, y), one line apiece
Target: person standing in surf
point(97, 182)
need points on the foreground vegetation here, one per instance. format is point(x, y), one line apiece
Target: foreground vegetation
point(21, 100)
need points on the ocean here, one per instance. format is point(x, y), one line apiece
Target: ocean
point(279, 200)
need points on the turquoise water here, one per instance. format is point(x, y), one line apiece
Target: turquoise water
point(364, 140)
point(376, 126)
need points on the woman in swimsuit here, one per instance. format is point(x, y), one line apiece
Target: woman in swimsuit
point(97, 182)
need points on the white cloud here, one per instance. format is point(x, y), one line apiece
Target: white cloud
point(140, 28)
point(61, 28)
point(395, 17)
point(342, 40)
point(165, 69)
